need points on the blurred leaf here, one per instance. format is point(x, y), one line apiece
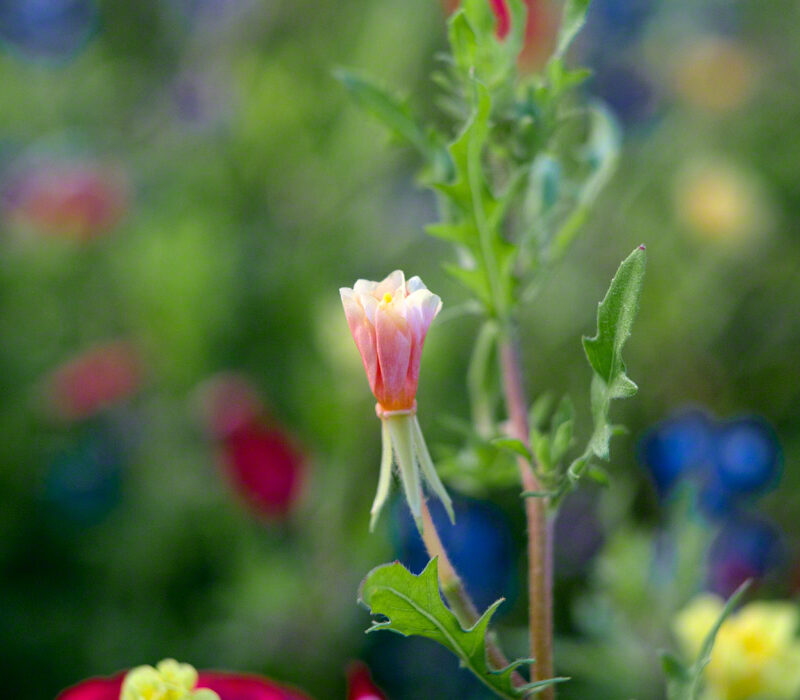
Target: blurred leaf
point(513, 445)
point(482, 379)
point(391, 111)
point(463, 41)
point(413, 606)
point(561, 429)
point(685, 683)
point(572, 20)
point(540, 410)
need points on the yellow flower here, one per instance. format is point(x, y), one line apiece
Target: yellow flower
point(756, 654)
point(170, 680)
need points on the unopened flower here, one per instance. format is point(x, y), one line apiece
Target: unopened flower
point(756, 653)
point(171, 680)
point(389, 321)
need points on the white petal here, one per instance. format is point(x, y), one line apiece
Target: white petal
point(414, 284)
point(394, 284)
point(365, 287)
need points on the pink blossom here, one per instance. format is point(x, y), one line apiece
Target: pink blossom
point(389, 321)
point(229, 686)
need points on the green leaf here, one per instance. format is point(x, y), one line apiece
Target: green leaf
point(413, 606)
point(615, 316)
point(599, 475)
point(463, 41)
point(390, 110)
point(561, 429)
point(686, 683)
point(540, 444)
point(571, 22)
point(540, 410)
point(512, 445)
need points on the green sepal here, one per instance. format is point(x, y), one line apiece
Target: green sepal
point(413, 606)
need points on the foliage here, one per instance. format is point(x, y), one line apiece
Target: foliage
point(412, 605)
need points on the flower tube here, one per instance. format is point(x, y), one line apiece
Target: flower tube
point(389, 321)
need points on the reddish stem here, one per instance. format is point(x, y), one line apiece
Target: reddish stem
point(540, 539)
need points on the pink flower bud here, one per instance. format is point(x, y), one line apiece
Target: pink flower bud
point(389, 321)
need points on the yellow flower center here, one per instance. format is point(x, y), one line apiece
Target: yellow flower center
point(387, 298)
point(168, 681)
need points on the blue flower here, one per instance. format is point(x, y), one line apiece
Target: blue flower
point(47, 29)
point(677, 447)
point(747, 455)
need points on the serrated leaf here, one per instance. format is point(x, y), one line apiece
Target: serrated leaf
point(572, 20)
point(512, 445)
point(413, 606)
point(615, 316)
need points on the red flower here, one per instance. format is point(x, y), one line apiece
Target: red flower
point(229, 686)
point(265, 468)
point(360, 685)
point(94, 380)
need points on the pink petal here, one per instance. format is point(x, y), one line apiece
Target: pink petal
point(95, 689)
point(394, 351)
point(235, 686)
point(363, 333)
point(360, 685)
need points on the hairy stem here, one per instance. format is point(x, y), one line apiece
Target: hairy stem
point(540, 538)
point(455, 593)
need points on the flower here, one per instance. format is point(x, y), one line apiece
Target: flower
point(259, 457)
point(170, 680)
point(756, 653)
point(389, 321)
point(360, 685)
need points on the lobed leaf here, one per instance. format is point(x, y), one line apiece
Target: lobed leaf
point(413, 606)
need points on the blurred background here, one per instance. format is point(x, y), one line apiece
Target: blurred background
point(188, 447)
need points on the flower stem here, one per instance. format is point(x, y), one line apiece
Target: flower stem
point(455, 593)
point(540, 535)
